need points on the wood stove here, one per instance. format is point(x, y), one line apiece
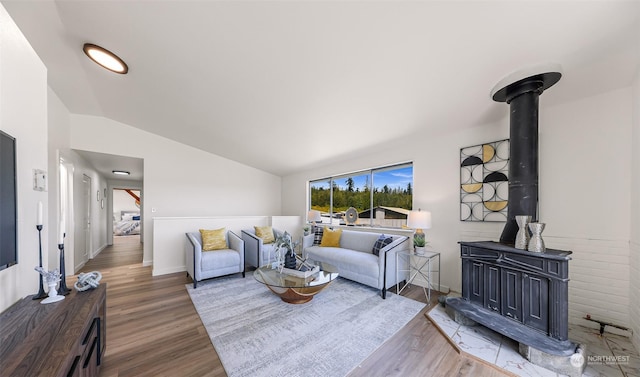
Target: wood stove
point(520, 294)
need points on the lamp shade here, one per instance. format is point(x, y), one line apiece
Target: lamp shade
point(314, 216)
point(419, 219)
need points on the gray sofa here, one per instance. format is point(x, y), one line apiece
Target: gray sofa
point(355, 260)
point(209, 264)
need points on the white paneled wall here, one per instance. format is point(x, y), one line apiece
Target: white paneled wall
point(593, 288)
point(634, 296)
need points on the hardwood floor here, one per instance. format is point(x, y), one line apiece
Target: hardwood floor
point(153, 329)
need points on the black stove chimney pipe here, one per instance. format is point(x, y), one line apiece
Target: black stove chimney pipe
point(522, 96)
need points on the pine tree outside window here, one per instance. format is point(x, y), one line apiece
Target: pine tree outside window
point(383, 197)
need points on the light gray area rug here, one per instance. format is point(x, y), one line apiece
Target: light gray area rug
point(257, 334)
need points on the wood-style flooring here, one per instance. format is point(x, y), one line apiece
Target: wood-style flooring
point(153, 329)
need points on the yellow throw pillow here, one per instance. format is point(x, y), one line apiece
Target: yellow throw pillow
point(331, 238)
point(266, 233)
point(213, 239)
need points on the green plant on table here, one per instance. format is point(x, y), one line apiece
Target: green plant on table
point(419, 241)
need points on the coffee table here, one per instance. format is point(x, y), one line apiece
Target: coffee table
point(296, 290)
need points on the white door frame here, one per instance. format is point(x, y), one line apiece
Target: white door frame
point(66, 209)
point(82, 227)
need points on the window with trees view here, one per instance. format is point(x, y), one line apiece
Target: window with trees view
point(382, 197)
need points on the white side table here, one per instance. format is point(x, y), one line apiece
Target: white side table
point(418, 265)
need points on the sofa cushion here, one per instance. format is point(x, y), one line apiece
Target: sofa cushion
point(266, 233)
point(381, 243)
point(213, 239)
point(317, 234)
point(223, 258)
point(347, 261)
point(359, 241)
point(331, 238)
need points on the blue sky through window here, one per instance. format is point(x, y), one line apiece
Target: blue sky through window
point(396, 178)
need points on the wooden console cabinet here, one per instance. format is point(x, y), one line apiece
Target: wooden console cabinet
point(66, 338)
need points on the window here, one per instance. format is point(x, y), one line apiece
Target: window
point(382, 197)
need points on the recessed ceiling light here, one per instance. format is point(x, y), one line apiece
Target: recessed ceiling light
point(120, 172)
point(105, 58)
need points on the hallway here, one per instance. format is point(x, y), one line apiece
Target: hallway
point(126, 250)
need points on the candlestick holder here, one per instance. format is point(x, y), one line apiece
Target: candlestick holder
point(41, 293)
point(63, 281)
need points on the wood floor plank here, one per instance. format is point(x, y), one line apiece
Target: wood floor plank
point(153, 329)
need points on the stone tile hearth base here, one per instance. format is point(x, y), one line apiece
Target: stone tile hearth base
point(610, 355)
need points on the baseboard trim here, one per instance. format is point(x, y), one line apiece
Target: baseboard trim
point(78, 267)
point(95, 253)
point(147, 263)
point(165, 271)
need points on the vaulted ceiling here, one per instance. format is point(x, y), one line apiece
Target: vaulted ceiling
point(287, 85)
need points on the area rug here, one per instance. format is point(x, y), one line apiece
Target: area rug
point(257, 334)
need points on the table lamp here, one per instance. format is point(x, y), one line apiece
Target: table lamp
point(314, 217)
point(419, 220)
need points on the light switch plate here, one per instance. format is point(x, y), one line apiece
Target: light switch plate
point(39, 180)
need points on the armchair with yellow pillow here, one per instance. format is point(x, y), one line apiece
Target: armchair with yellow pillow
point(259, 245)
point(213, 253)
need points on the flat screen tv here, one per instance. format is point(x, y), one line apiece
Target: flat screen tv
point(8, 202)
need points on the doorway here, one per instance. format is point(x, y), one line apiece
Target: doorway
point(127, 221)
point(83, 237)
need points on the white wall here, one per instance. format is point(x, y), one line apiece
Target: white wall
point(23, 115)
point(436, 180)
point(60, 135)
point(291, 224)
point(634, 284)
point(98, 214)
point(180, 180)
point(584, 198)
point(584, 194)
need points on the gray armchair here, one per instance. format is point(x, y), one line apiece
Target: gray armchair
point(257, 253)
point(209, 264)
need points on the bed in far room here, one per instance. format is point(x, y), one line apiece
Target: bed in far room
point(129, 224)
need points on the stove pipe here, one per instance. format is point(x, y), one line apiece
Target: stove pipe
point(522, 97)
